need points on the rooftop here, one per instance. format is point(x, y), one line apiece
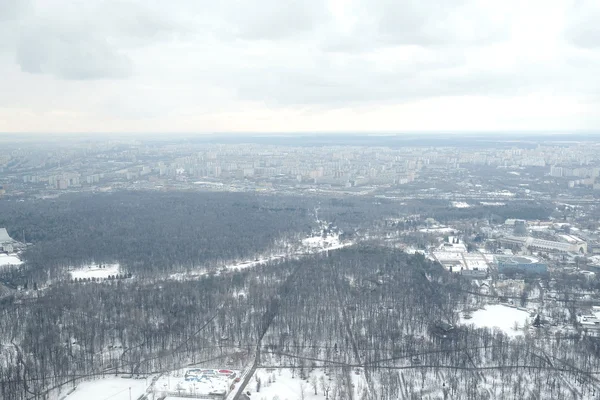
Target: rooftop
point(4, 236)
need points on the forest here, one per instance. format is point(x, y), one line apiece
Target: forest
point(151, 232)
point(365, 306)
point(368, 306)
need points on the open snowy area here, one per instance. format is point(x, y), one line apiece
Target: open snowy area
point(310, 245)
point(9, 260)
point(113, 388)
point(98, 271)
point(282, 384)
point(324, 243)
point(499, 316)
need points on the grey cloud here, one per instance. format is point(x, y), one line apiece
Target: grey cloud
point(137, 23)
point(271, 19)
point(419, 22)
point(337, 84)
point(329, 85)
point(90, 40)
point(288, 52)
point(70, 54)
point(13, 9)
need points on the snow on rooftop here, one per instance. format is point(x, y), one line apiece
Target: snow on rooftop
point(195, 382)
point(9, 260)
point(98, 271)
point(501, 317)
point(571, 238)
point(437, 229)
point(489, 257)
point(208, 183)
point(476, 261)
point(502, 193)
point(460, 204)
point(448, 256)
point(109, 388)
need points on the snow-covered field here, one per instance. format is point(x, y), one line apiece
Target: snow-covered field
point(280, 384)
point(9, 260)
point(95, 271)
point(110, 388)
point(499, 316)
point(324, 243)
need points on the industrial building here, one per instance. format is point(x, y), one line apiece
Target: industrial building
point(520, 264)
point(571, 244)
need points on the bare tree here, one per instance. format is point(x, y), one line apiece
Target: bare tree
point(313, 383)
point(325, 386)
point(302, 391)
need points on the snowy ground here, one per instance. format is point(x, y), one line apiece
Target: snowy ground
point(280, 384)
point(501, 317)
point(195, 382)
point(311, 245)
point(9, 260)
point(110, 388)
point(329, 242)
point(95, 271)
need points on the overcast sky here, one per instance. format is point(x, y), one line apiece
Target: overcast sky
point(299, 65)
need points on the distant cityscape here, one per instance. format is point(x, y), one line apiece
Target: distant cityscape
point(520, 170)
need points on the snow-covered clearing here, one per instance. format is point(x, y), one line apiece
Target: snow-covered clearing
point(310, 245)
point(9, 260)
point(98, 271)
point(499, 316)
point(321, 243)
point(280, 384)
point(114, 388)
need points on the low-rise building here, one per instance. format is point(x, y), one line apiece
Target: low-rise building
point(6, 242)
point(534, 244)
point(520, 264)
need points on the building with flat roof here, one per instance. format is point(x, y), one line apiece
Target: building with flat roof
point(572, 245)
point(520, 264)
